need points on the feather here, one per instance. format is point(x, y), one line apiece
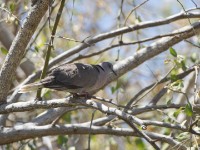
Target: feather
point(30, 87)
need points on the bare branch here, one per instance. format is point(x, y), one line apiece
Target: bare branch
point(66, 102)
point(25, 131)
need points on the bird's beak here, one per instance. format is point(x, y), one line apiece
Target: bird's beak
point(114, 72)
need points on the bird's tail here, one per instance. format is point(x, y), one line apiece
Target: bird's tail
point(31, 87)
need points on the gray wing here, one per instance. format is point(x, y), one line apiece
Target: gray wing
point(73, 76)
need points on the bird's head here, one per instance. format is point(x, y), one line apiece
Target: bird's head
point(108, 67)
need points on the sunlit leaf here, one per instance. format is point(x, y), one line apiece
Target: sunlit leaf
point(46, 93)
point(183, 123)
point(176, 85)
point(183, 136)
point(188, 110)
point(194, 57)
point(177, 112)
point(173, 52)
point(3, 50)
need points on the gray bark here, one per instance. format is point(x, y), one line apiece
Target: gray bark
point(18, 47)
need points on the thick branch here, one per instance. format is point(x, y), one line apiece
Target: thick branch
point(18, 47)
point(25, 131)
point(68, 102)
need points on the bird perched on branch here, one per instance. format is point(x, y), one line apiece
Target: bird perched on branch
point(75, 78)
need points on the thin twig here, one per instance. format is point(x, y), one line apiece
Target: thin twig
point(195, 45)
point(89, 136)
point(178, 91)
point(41, 28)
point(196, 92)
point(120, 13)
point(191, 128)
point(69, 39)
point(45, 68)
point(136, 101)
point(158, 96)
point(187, 18)
point(10, 13)
point(107, 101)
point(180, 76)
point(136, 7)
point(194, 3)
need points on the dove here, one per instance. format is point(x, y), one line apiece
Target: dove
point(75, 78)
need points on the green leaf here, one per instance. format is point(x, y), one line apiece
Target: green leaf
point(140, 144)
point(46, 93)
point(12, 7)
point(194, 57)
point(169, 101)
point(61, 140)
point(188, 110)
point(36, 49)
point(67, 117)
point(8, 146)
point(117, 86)
point(183, 66)
point(173, 77)
point(113, 89)
point(173, 52)
point(176, 85)
point(31, 146)
point(139, 19)
point(3, 50)
point(183, 136)
point(177, 112)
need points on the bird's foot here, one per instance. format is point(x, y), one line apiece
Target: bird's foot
point(38, 99)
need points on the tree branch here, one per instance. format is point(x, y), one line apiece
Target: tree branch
point(25, 131)
point(18, 47)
